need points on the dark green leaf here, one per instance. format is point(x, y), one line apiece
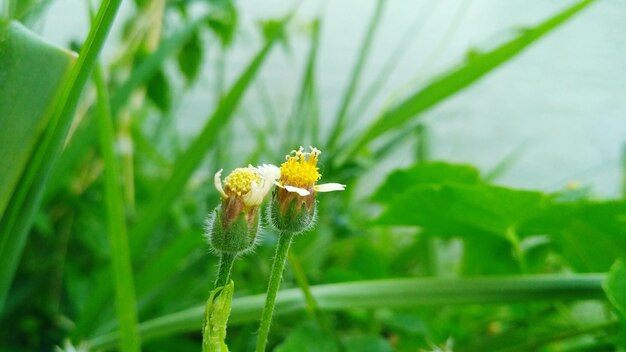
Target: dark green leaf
point(158, 91)
point(190, 58)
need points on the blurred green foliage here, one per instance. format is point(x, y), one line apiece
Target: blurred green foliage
point(435, 257)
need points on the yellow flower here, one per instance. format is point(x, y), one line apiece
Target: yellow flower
point(299, 173)
point(293, 207)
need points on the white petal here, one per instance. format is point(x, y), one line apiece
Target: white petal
point(255, 196)
point(301, 191)
point(330, 187)
point(217, 179)
point(269, 171)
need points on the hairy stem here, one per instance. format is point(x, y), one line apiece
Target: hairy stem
point(224, 269)
point(284, 242)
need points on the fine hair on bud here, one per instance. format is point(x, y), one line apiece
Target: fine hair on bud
point(237, 236)
point(294, 218)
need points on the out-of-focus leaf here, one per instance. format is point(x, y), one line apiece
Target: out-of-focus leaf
point(223, 21)
point(190, 58)
point(615, 287)
point(31, 71)
point(368, 343)
point(388, 293)
point(274, 29)
point(307, 338)
point(159, 91)
point(589, 235)
point(453, 209)
point(423, 174)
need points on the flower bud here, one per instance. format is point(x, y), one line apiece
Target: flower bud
point(293, 208)
point(234, 225)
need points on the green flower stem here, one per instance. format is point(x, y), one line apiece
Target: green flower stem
point(224, 269)
point(284, 242)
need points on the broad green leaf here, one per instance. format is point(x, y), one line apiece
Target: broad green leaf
point(390, 293)
point(429, 173)
point(589, 235)
point(455, 209)
point(16, 222)
point(615, 287)
point(31, 72)
point(454, 81)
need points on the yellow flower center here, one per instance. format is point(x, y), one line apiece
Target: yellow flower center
point(300, 169)
point(240, 180)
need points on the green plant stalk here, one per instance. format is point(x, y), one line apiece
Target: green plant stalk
point(282, 250)
point(224, 269)
point(19, 217)
point(118, 234)
point(388, 293)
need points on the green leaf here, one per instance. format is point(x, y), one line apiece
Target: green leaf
point(455, 81)
point(589, 235)
point(31, 72)
point(307, 338)
point(390, 293)
point(615, 287)
point(190, 58)
point(453, 209)
point(16, 222)
point(216, 318)
point(368, 343)
point(159, 91)
point(425, 174)
point(116, 223)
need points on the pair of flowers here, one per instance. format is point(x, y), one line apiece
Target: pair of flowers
point(234, 225)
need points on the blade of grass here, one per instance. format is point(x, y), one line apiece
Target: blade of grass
point(356, 76)
point(303, 113)
point(392, 62)
point(116, 224)
point(17, 222)
point(391, 293)
point(454, 82)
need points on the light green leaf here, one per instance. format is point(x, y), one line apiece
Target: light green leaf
point(31, 72)
point(615, 287)
point(390, 293)
point(216, 319)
